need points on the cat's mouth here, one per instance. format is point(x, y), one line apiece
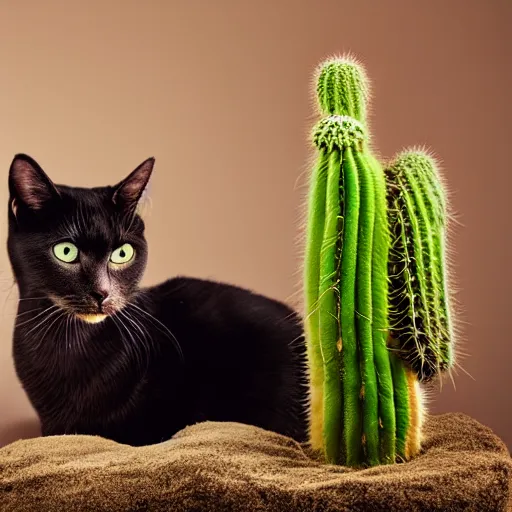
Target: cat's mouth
point(85, 312)
point(92, 319)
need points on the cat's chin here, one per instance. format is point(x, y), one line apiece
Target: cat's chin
point(92, 319)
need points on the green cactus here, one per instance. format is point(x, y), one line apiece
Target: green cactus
point(420, 311)
point(365, 403)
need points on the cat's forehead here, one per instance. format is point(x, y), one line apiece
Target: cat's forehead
point(94, 203)
point(86, 196)
point(90, 215)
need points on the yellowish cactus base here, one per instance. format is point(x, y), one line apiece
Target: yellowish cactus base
point(417, 417)
point(417, 414)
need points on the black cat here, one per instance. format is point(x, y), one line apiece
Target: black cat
point(96, 354)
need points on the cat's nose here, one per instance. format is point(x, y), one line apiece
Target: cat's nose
point(100, 295)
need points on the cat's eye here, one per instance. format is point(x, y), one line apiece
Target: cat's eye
point(122, 254)
point(66, 252)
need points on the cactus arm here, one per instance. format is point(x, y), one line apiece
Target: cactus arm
point(329, 306)
point(416, 184)
point(314, 237)
point(420, 313)
point(417, 240)
point(364, 313)
point(431, 193)
point(410, 323)
point(446, 345)
point(406, 399)
point(381, 245)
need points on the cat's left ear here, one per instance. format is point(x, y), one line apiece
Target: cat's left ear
point(29, 184)
point(131, 190)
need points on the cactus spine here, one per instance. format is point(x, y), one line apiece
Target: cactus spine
point(371, 312)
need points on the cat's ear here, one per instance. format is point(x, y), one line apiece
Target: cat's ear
point(29, 185)
point(131, 190)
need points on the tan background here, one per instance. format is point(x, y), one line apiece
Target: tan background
point(218, 91)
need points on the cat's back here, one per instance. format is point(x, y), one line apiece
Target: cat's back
point(244, 353)
point(211, 300)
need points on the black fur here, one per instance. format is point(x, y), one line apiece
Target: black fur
point(168, 356)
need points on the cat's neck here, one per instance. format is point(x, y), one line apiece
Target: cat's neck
point(88, 363)
point(48, 332)
point(53, 336)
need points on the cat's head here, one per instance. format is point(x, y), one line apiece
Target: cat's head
point(83, 248)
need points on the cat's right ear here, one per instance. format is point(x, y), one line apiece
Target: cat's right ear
point(29, 185)
point(130, 191)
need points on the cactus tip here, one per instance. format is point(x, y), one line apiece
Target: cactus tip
point(421, 157)
point(421, 154)
point(342, 87)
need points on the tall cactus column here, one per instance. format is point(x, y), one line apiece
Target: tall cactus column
point(353, 419)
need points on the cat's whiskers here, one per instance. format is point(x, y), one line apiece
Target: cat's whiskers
point(143, 338)
point(79, 336)
point(45, 297)
point(27, 312)
point(133, 321)
point(8, 297)
point(57, 312)
point(132, 343)
point(48, 329)
point(57, 333)
point(46, 310)
point(66, 335)
point(141, 325)
point(31, 298)
point(53, 306)
point(163, 328)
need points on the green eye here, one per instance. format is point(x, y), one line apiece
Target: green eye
point(66, 252)
point(122, 254)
